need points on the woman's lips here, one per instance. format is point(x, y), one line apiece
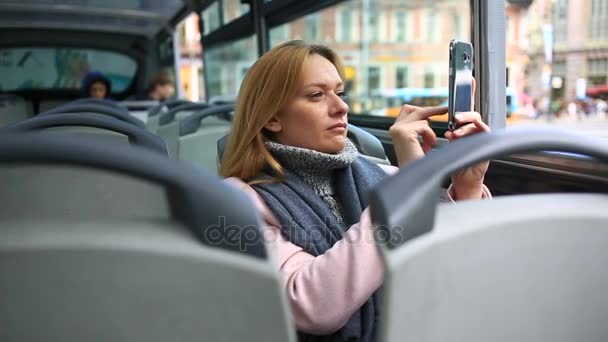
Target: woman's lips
point(338, 127)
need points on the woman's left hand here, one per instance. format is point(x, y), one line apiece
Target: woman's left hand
point(468, 183)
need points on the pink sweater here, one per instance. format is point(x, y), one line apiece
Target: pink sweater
point(325, 291)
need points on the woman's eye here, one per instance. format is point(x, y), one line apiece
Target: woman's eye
point(316, 96)
point(342, 94)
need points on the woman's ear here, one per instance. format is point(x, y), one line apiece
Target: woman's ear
point(274, 125)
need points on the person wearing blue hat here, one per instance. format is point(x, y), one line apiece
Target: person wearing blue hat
point(96, 85)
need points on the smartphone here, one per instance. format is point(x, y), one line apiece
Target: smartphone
point(461, 84)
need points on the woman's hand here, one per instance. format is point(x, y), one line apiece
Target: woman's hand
point(468, 183)
point(412, 124)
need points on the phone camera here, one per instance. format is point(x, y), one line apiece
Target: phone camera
point(465, 57)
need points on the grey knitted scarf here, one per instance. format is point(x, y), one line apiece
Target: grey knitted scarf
point(316, 169)
point(343, 181)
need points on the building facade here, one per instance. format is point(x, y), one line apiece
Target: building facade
point(387, 44)
point(580, 52)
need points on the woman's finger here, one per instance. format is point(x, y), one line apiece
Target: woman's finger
point(477, 126)
point(429, 139)
point(405, 111)
point(426, 113)
point(421, 129)
point(467, 117)
point(410, 113)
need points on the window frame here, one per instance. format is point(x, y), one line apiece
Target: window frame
point(487, 16)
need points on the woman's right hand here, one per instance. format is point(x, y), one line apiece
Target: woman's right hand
point(411, 124)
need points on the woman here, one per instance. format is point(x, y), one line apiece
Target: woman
point(288, 149)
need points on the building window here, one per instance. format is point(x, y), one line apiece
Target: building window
point(211, 18)
point(279, 34)
point(560, 20)
point(599, 17)
point(373, 78)
point(374, 27)
point(431, 27)
point(558, 68)
point(346, 28)
point(429, 79)
point(401, 27)
point(597, 71)
point(401, 80)
point(312, 25)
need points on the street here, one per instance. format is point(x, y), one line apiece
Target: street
point(593, 126)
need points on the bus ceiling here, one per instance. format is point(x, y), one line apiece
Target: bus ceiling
point(135, 17)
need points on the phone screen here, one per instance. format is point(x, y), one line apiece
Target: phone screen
point(461, 74)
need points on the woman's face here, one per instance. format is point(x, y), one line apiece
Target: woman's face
point(316, 117)
point(98, 90)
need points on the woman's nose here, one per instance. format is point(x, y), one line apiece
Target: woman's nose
point(339, 106)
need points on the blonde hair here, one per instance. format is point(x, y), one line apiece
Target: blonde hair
point(268, 87)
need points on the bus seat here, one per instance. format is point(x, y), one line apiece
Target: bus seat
point(125, 245)
point(179, 112)
point(50, 104)
point(199, 133)
point(168, 124)
point(117, 112)
point(94, 101)
point(13, 108)
point(163, 107)
point(515, 268)
point(531, 268)
point(223, 99)
point(80, 124)
point(139, 109)
point(368, 145)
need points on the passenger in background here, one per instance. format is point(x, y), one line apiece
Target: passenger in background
point(289, 151)
point(96, 85)
point(161, 88)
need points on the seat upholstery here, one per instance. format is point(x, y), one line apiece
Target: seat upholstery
point(110, 244)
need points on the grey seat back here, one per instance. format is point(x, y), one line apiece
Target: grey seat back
point(368, 145)
point(525, 268)
point(155, 112)
point(95, 101)
point(199, 134)
point(81, 123)
point(13, 109)
point(170, 134)
point(139, 109)
point(109, 109)
point(536, 273)
point(136, 248)
point(168, 124)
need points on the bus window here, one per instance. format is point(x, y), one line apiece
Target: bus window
point(226, 66)
point(385, 48)
point(557, 88)
point(30, 68)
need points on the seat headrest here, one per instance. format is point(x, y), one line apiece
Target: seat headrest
point(221, 145)
point(187, 188)
point(367, 144)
